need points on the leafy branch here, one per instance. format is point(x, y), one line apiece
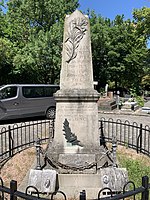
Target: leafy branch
point(75, 35)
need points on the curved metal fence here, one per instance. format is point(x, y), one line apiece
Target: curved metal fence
point(13, 193)
point(130, 135)
point(17, 137)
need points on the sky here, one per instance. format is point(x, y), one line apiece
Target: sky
point(111, 8)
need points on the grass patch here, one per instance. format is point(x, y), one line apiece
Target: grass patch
point(136, 169)
point(137, 165)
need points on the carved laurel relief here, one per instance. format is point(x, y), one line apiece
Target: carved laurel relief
point(76, 32)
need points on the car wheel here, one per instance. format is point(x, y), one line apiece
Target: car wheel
point(50, 114)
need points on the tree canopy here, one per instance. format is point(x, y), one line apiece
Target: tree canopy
point(31, 35)
point(120, 53)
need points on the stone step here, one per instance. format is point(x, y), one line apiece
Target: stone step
point(73, 184)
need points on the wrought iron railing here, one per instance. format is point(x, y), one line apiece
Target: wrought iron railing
point(13, 193)
point(17, 137)
point(130, 135)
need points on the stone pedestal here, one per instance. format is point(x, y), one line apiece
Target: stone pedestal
point(73, 184)
point(79, 113)
point(113, 178)
point(75, 151)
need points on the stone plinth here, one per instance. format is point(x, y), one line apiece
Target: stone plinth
point(43, 180)
point(130, 106)
point(75, 151)
point(73, 184)
point(113, 178)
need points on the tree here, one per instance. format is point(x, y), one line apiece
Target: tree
point(132, 53)
point(100, 44)
point(119, 52)
point(142, 19)
point(36, 29)
point(6, 52)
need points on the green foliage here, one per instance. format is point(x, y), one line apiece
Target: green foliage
point(138, 99)
point(120, 54)
point(142, 17)
point(136, 169)
point(31, 34)
point(146, 82)
point(41, 56)
point(35, 29)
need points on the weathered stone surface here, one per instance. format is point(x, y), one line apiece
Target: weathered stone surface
point(113, 178)
point(77, 70)
point(106, 104)
point(44, 180)
point(48, 181)
point(73, 184)
point(76, 110)
point(79, 160)
point(35, 177)
point(78, 163)
point(83, 122)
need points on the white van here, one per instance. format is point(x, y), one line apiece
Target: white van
point(27, 100)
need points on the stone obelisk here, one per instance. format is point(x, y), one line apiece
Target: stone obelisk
point(76, 108)
point(75, 149)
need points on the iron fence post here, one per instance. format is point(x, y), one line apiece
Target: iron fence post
point(13, 189)
point(38, 151)
point(145, 194)
point(114, 148)
point(140, 138)
point(102, 137)
point(83, 195)
point(9, 138)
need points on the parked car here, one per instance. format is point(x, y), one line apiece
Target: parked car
point(27, 100)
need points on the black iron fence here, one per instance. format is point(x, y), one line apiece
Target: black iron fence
point(12, 193)
point(17, 137)
point(130, 135)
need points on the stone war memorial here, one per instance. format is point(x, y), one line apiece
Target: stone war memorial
point(75, 153)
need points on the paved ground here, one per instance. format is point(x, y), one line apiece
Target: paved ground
point(147, 104)
point(138, 117)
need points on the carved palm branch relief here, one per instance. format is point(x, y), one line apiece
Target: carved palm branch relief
point(69, 136)
point(76, 32)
